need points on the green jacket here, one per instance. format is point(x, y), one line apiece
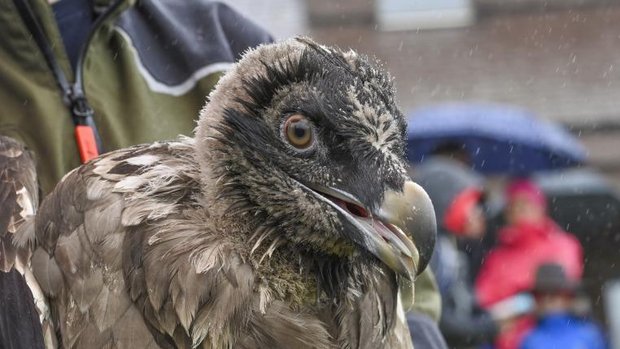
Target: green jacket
point(146, 70)
point(426, 298)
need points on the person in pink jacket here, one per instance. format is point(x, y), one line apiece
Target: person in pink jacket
point(529, 240)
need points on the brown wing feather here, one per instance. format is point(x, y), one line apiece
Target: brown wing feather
point(18, 196)
point(81, 237)
point(18, 203)
point(124, 241)
point(8, 198)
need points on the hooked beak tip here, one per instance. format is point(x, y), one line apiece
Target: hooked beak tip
point(411, 210)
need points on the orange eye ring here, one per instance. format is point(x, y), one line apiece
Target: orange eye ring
point(298, 131)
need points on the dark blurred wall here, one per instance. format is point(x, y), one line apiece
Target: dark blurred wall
point(344, 12)
point(491, 7)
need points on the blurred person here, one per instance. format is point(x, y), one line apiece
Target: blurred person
point(474, 249)
point(456, 192)
point(453, 150)
point(81, 77)
point(530, 239)
point(557, 326)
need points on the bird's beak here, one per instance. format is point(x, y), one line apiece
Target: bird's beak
point(410, 212)
point(385, 232)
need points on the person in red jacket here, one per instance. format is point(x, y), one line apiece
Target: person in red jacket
point(529, 240)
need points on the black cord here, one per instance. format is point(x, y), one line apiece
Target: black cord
point(39, 37)
point(73, 96)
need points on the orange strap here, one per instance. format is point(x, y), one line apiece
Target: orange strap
point(85, 138)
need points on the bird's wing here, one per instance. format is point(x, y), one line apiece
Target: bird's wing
point(83, 232)
point(18, 203)
point(18, 195)
point(130, 258)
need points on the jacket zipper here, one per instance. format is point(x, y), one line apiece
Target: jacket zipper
point(80, 107)
point(86, 134)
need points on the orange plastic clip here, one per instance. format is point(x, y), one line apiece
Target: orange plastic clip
point(85, 138)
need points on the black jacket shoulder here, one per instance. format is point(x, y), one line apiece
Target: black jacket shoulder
point(175, 39)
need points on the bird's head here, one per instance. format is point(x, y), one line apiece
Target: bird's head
point(308, 141)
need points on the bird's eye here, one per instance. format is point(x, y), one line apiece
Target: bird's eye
point(298, 132)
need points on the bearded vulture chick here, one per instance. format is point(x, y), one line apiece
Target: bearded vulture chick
point(282, 224)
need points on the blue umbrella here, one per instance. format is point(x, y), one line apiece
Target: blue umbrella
point(498, 139)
